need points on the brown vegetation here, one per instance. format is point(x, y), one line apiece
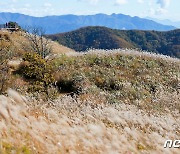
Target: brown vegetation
point(118, 101)
point(68, 125)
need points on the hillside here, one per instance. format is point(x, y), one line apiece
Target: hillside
point(167, 43)
point(65, 23)
point(18, 42)
point(117, 101)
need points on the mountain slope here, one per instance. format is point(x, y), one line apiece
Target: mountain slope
point(128, 103)
point(65, 23)
point(120, 101)
point(91, 37)
point(17, 42)
point(166, 22)
point(167, 43)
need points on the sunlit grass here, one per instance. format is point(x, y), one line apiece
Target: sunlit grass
point(118, 101)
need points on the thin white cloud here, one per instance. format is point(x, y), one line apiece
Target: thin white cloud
point(26, 9)
point(47, 4)
point(93, 2)
point(27, 5)
point(121, 2)
point(164, 3)
point(160, 11)
point(162, 8)
point(140, 1)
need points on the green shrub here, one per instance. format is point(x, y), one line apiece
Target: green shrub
point(36, 70)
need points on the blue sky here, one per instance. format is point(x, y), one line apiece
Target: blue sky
point(160, 9)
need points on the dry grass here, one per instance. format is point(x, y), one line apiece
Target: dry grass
point(147, 80)
point(68, 125)
point(60, 49)
point(21, 44)
point(123, 115)
point(126, 52)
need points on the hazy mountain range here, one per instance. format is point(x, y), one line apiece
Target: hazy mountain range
point(65, 23)
point(167, 43)
point(166, 22)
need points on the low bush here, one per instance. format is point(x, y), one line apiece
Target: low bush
point(38, 71)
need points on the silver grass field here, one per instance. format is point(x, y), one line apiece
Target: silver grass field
point(70, 124)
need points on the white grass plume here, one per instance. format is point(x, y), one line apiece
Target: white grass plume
point(70, 126)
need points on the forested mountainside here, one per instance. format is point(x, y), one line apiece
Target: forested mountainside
point(167, 43)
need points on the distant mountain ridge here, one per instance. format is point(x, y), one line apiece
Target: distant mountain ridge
point(167, 43)
point(166, 22)
point(65, 23)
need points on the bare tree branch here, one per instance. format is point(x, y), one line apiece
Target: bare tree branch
point(38, 42)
